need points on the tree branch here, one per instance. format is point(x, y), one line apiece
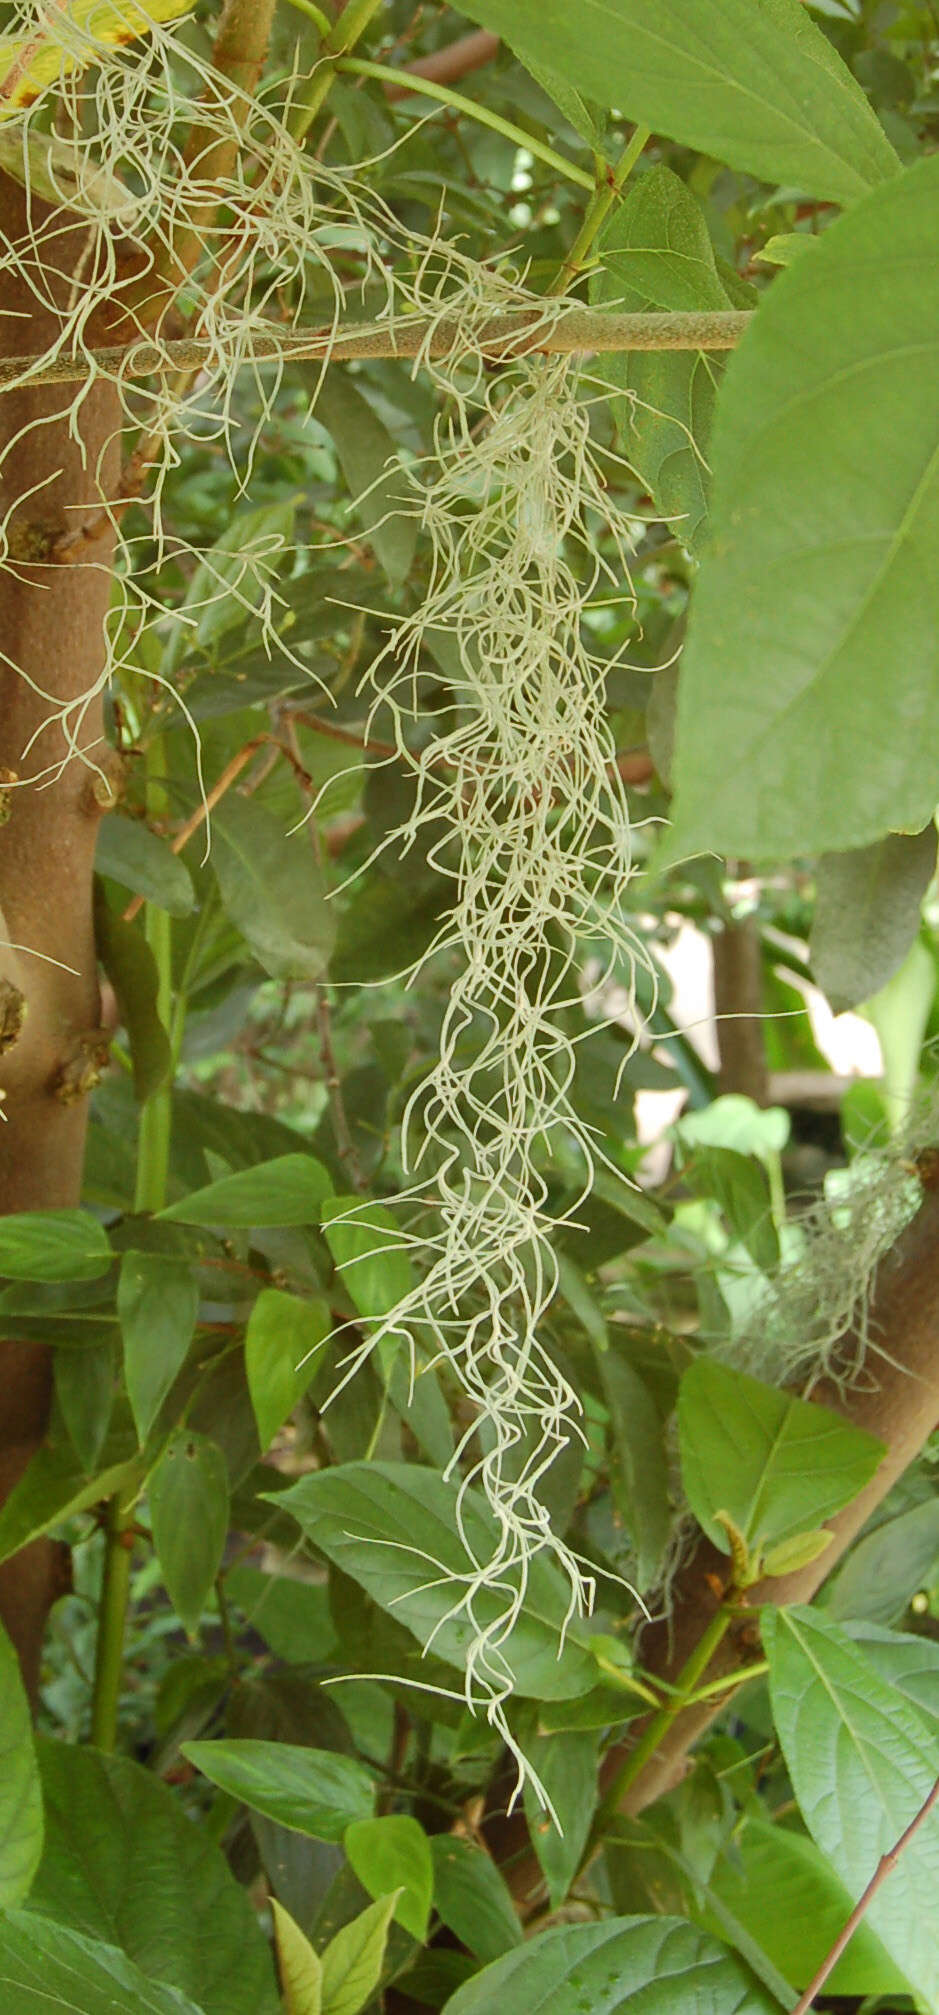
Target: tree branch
point(576, 331)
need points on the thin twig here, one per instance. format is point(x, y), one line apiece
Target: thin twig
point(887, 1862)
point(447, 66)
point(578, 331)
point(202, 811)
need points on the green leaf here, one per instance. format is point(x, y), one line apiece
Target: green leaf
point(139, 859)
point(393, 1527)
point(188, 1498)
point(759, 87)
point(371, 1251)
point(84, 1390)
point(639, 1465)
point(472, 1898)
point(862, 1760)
point(288, 1190)
point(799, 1551)
point(292, 1616)
point(792, 1901)
point(802, 725)
point(353, 1960)
point(51, 1971)
point(656, 253)
point(738, 1183)
point(381, 498)
point(301, 1970)
point(887, 1566)
point(900, 1014)
point(393, 1853)
point(867, 914)
point(654, 1965)
point(123, 1861)
point(566, 1763)
point(283, 1341)
point(131, 968)
point(55, 1487)
point(272, 889)
point(21, 1826)
point(313, 1791)
point(53, 1245)
point(776, 1465)
point(157, 1304)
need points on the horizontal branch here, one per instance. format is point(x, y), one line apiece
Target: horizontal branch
point(576, 331)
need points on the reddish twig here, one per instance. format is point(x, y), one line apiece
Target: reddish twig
point(447, 65)
point(887, 1862)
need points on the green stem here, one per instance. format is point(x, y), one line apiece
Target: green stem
point(153, 1146)
point(605, 194)
point(112, 1615)
point(659, 1726)
point(312, 13)
point(469, 108)
point(343, 35)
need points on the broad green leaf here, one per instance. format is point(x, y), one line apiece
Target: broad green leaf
point(157, 1304)
point(353, 1960)
point(53, 1245)
point(775, 1464)
point(656, 253)
point(393, 1527)
point(272, 889)
point(887, 1566)
point(862, 1761)
point(55, 1487)
point(736, 1122)
point(288, 1190)
point(313, 1791)
point(393, 1853)
point(139, 859)
point(803, 725)
point(911, 1664)
point(867, 914)
point(131, 968)
point(738, 1183)
point(28, 65)
point(381, 499)
point(472, 1897)
point(654, 1965)
point(371, 1251)
point(85, 1390)
point(188, 1497)
point(292, 1616)
point(21, 1825)
point(757, 86)
point(123, 1861)
point(638, 1465)
point(47, 1970)
point(301, 1970)
point(566, 1764)
point(283, 1342)
point(792, 1901)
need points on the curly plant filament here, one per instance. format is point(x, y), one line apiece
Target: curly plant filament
point(522, 785)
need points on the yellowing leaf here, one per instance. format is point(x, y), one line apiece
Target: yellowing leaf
point(300, 1969)
point(28, 65)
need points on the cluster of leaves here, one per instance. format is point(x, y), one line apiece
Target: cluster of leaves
point(298, 1758)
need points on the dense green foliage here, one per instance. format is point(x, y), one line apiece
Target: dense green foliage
point(300, 1755)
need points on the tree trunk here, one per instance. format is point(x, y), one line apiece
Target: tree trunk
point(51, 620)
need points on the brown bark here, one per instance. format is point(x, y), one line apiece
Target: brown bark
point(738, 1002)
point(50, 632)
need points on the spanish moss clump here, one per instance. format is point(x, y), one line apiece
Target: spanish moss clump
point(528, 818)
